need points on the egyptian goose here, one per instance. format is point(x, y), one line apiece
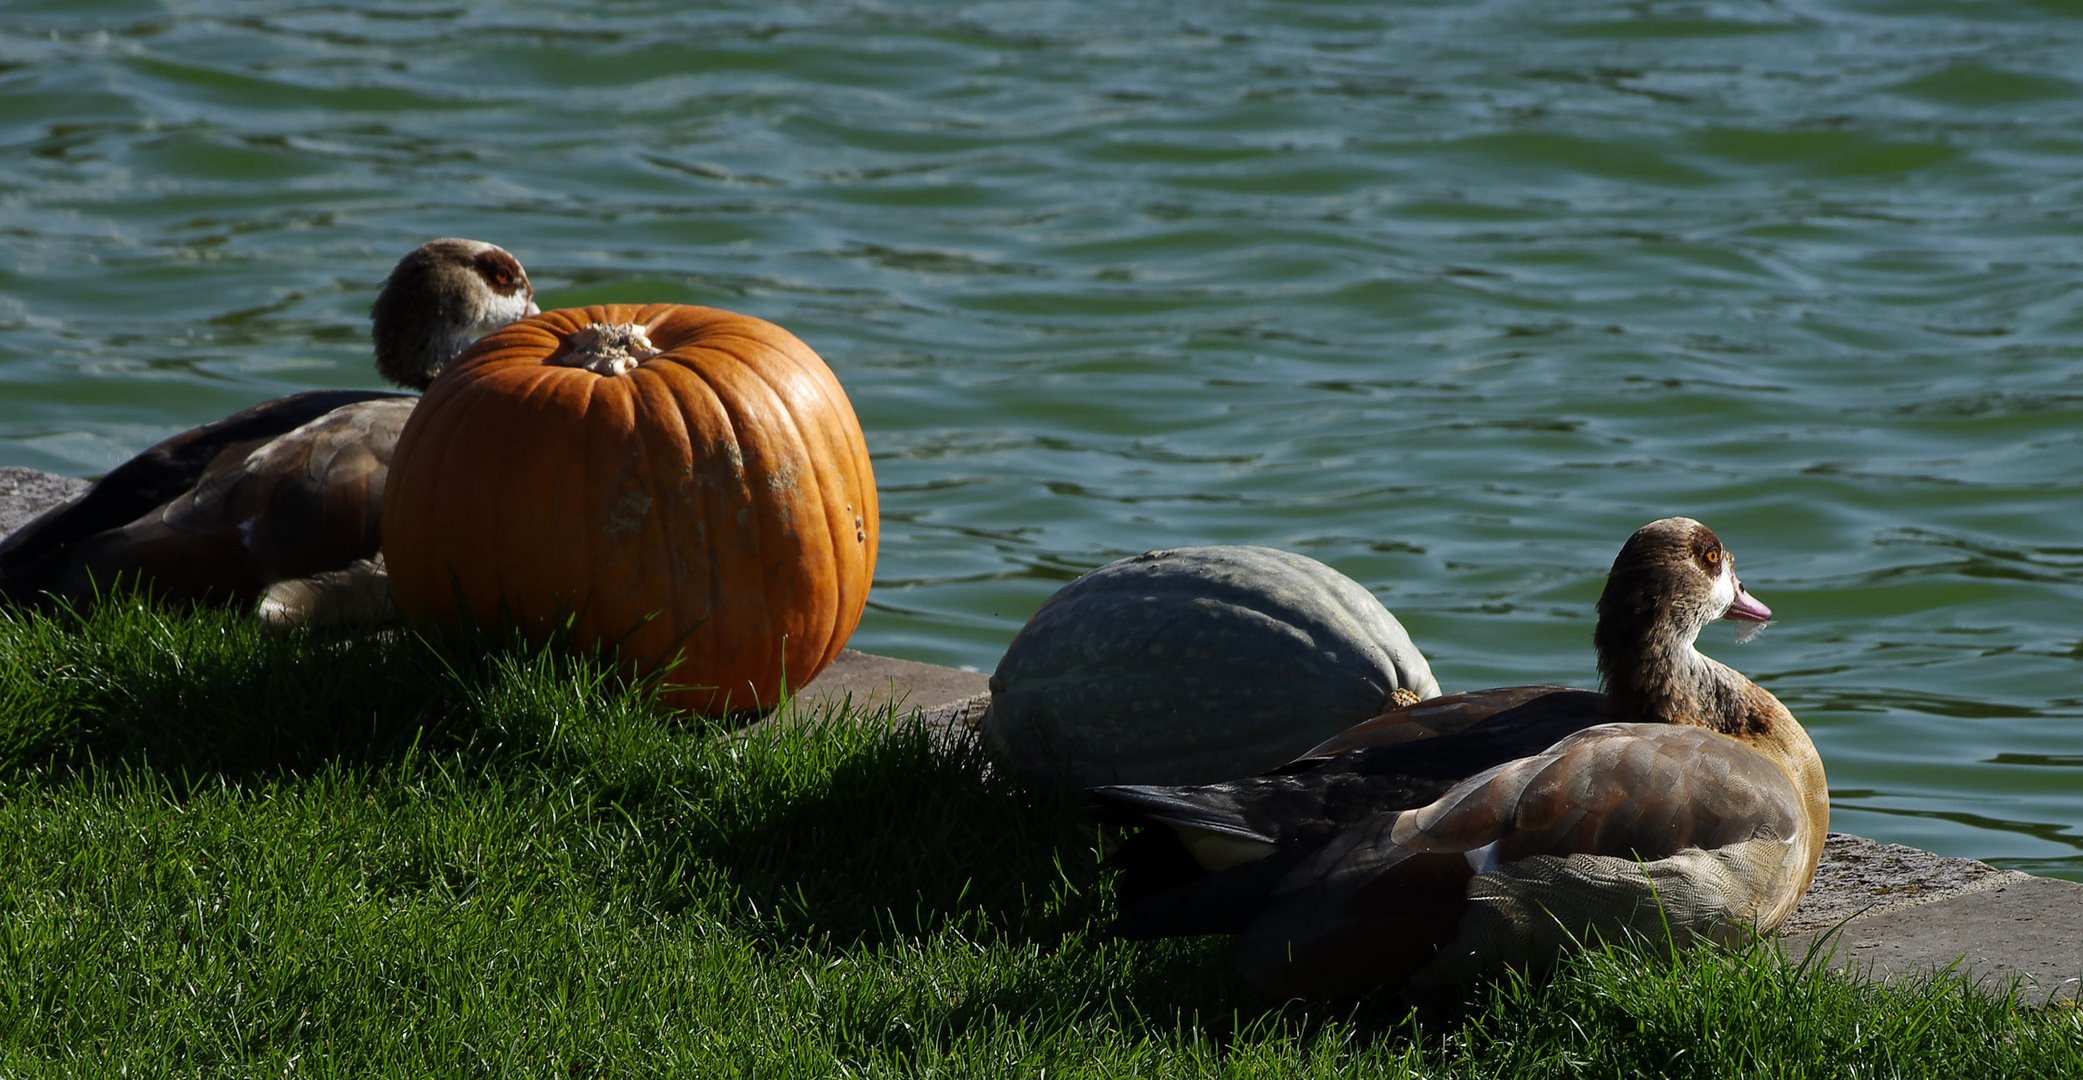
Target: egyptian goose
point(285, 490)
point(1443, 841)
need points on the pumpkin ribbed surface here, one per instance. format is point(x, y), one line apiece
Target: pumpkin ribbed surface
point(1194, 665)
point(686, 485)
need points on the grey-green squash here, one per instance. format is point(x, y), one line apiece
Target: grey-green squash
point(1194, 665)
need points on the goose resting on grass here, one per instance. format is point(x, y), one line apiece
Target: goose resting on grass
point(286, 490)
point(1444, 841)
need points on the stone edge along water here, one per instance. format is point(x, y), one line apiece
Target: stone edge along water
point(1885, 910)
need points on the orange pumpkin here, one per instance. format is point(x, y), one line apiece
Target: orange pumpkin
point(686, 486)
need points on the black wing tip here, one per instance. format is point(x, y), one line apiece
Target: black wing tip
point(1136, 804)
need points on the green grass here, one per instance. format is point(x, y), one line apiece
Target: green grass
point(236, 855)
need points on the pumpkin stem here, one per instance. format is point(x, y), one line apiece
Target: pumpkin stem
point(607, 348)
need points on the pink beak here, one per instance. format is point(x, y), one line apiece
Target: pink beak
point(1745, 607)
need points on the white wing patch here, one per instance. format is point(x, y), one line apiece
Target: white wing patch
point(1482, 860)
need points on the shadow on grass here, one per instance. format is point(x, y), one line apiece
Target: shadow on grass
point(195, 692)
point(844, 831)
point(205, 692)
point(857, 832)
point(847, 836)
point(894, 839)
point(1184, 992)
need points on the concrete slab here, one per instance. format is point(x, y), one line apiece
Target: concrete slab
point(1862, 877)
point(949, 698)
point(876, 683)
point(1897, 913)
point(2026, 935)
point(25, 493)
point(1883, 910)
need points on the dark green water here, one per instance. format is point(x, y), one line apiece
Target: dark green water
point(1452, 296)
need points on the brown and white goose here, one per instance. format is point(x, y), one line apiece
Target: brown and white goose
point(285, 490)
point(1432, 845)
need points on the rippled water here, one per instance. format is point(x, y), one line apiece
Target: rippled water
point(1449, 295)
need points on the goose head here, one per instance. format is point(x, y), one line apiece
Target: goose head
point(1670, 580)
point(446, 294)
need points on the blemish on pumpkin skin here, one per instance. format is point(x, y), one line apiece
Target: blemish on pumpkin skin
point(628, 515)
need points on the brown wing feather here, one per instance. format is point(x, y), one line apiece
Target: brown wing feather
point(1429, 719)
point(1645, 790)
point(1638, 791)
point(1311, 802)
point(259, 511)
point(162, 472)
point(309, 501)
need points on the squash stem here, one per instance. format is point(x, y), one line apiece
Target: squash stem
point(607, 348)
